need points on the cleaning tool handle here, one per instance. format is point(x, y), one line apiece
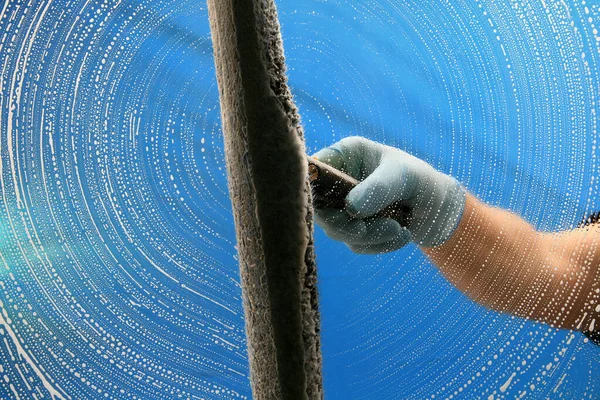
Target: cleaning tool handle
point(330, 187)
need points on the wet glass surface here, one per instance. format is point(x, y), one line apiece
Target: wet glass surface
point(118, 269)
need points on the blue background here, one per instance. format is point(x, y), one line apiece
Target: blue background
point(118, 269)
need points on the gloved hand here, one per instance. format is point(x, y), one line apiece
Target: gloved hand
point(386, 175)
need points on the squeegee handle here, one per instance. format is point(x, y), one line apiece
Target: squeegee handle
point(330, 187)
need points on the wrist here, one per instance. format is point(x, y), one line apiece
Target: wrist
point(457, 200)
point(446, 213)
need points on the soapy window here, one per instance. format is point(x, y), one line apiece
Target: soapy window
point(118, 260)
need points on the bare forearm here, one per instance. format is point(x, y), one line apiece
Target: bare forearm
point(500, 261)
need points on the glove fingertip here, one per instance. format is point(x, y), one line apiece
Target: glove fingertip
point(330, 156)
point(394, 226)
point(359, 203)
point(403, 238)
point(361, 249)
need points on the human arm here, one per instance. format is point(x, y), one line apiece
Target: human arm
point(500, 261)
point(492, 255)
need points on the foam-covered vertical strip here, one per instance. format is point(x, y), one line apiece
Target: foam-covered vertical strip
point(270, 198)
point(309, 297)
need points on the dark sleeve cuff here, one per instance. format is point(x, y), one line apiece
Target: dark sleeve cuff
point(593, 336)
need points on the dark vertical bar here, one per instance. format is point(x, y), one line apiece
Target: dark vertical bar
point(271, 201)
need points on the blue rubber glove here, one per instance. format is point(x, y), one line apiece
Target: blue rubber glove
point(386, 175)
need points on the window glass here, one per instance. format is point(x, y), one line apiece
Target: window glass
point(118, 260)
